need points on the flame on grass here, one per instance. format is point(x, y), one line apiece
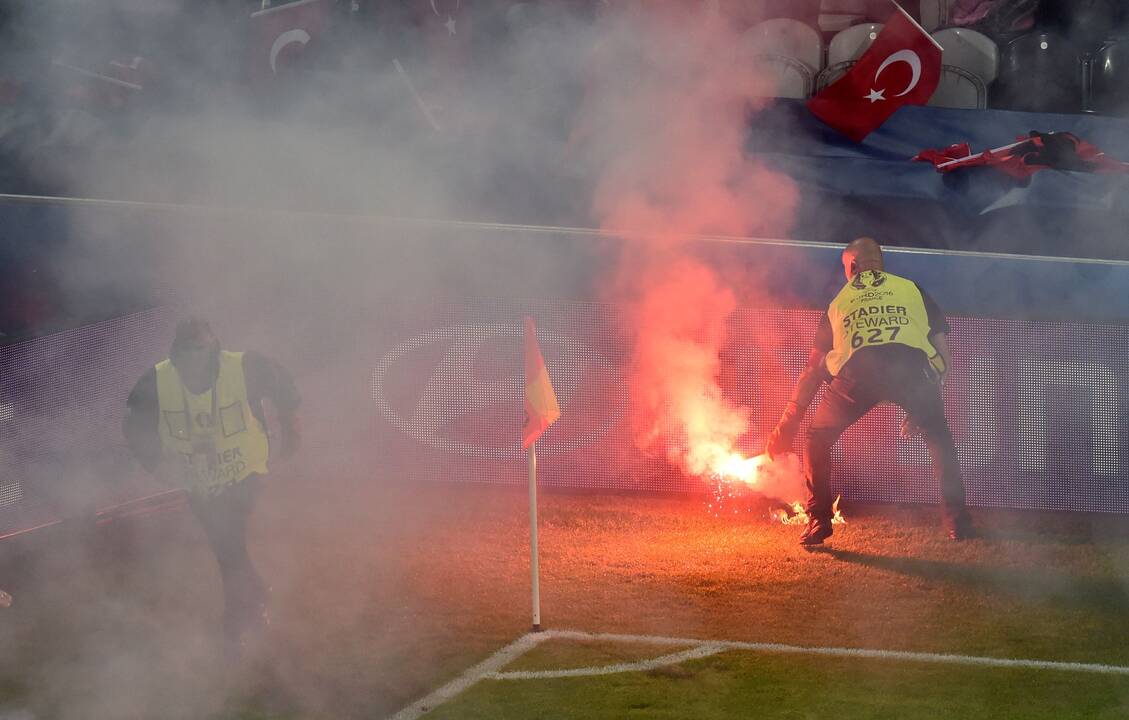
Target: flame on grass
point(733, 473)
point(797, 515)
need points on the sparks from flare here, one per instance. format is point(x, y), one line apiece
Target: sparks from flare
point(730, 468)
point(730, 473)
point(734, 466)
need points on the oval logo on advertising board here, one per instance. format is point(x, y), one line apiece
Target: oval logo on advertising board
point(459, 389)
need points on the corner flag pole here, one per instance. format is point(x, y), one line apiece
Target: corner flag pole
point(533, 563)
point(541, 411)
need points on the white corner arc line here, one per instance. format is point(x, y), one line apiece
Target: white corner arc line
point(694, 653)
point(490, 665)
point(855, 652)
point(490, 668)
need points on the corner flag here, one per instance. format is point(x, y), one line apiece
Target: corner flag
point(541, 408)
point(541, 411)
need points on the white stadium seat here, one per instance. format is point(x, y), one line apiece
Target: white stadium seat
point(971, 51)
point(959, 88)
point(970, 62)
point(848, 45)
point(845, 48)
point(934, 13)
point(788, 52)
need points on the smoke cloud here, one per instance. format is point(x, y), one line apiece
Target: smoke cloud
point(635, 116)
point(673, 134)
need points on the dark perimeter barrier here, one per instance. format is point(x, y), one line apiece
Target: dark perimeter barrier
point(405, 338)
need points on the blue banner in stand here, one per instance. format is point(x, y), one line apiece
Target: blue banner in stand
point(873, 188)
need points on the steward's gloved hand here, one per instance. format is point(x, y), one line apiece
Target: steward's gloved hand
point(781, 438)
point(936, 371)
point(909, 429)
point(291, 437)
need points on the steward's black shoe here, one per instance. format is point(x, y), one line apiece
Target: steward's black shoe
point(816, 532)
point(959, 528)
point(960, 531)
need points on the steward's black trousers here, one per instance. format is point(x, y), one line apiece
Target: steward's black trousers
point(890, 373)
point(224, 517)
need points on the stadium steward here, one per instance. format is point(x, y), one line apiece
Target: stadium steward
point(196, 421)
point(882, 340)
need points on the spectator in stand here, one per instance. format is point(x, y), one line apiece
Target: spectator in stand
point(1087, 23)
point(869, 10)
point(1001, 20)
point(746, 14)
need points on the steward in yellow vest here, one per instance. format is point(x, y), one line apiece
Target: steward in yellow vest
point(882, 340)
point(196, 421)
point(876, 308)
point(210, 439)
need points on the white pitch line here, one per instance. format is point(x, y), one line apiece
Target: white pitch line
point(852, 652)
point(694, 653)
point(490, 669)
point(491, 664)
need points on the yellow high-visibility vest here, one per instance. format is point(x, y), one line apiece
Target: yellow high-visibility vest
point(212, 439)
point(877, 308)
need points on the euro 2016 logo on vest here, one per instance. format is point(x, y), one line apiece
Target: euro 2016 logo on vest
point(876, 280)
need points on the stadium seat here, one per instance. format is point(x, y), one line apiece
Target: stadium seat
point(520, 16)
point(971, 62)
point(1039, 72)
point(848, 45)
point(934, 14)
point(1086, 22)
point(959, 88)
point(838, 15)
point(844, 49)
point(971, 51)
point(1109, 83)
point(788, 51)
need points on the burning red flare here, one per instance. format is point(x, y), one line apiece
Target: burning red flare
point(739, 467)
point(776, 479)
point(668, 143)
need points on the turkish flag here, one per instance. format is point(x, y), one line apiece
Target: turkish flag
point(901, 67)
point(445, 30)
point(280, 33)
point(1027, 156)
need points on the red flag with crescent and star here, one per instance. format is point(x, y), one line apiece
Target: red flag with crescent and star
point(445, 27)
point(901, 67)
point(280, 33)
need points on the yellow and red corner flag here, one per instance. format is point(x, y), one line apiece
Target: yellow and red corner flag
point(541, 408)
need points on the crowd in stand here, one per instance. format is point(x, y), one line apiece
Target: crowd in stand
point(98, 58)
point(73, 73)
